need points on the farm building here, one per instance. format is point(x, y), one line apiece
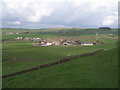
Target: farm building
point(111, 35)
point(87, 43)
point(53, 41)
point(26, 38)
point(71, 42)
point(98, 42)
point(19, 38)
point(14, 33)
point(49, 44)
point(29, 38)
point(42, 44)
point(56, 43)
point(66, 42)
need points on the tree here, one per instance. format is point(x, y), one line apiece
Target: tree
point(105, 28)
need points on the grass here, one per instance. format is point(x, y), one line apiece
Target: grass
point(46, 52)
point(95, 71)
point(18, 57)
point(16, 45)
point(56, 33)
point(13, 49)
point(36, 56)
point(15, 66)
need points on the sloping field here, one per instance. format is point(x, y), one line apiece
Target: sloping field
point(51, 33)
point(19, 59)
point(18, 56)
point(97, 71)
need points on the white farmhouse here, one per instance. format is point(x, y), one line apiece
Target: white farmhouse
point(19, 38)
point(87, 43)
point(49, 44)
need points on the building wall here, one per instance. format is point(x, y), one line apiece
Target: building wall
point(87, 44)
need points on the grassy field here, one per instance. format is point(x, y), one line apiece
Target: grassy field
point(38, 56)
point(95, 71)
point(56, 33)
point(24, 56)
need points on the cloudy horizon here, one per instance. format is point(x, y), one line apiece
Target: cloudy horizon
point(59, 13)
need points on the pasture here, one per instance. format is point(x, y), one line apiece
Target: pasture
point(24, 56)
point(46, 33)
point(95, 71)
point(19, 55)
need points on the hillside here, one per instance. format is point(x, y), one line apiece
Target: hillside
point(9, 34)
point(97, 71)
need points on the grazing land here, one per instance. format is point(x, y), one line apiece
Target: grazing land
point(97, 71)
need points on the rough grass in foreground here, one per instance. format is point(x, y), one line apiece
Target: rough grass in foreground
point(97, 71)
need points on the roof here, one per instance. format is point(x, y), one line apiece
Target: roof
point(87, 42)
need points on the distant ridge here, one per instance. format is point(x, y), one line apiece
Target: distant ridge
point(63, 28)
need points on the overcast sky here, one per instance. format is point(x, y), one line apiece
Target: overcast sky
point(59, 13)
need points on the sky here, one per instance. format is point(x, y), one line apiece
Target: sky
point(35, 14)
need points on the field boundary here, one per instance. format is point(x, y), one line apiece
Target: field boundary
point(69, 58)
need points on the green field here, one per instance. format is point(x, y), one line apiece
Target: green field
point(37, 56)
point(56, 33)
point(23, 56)
point(97, 71)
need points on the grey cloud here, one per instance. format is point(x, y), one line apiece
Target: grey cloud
point(60, 14)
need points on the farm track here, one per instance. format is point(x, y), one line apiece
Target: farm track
point(69, 58)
